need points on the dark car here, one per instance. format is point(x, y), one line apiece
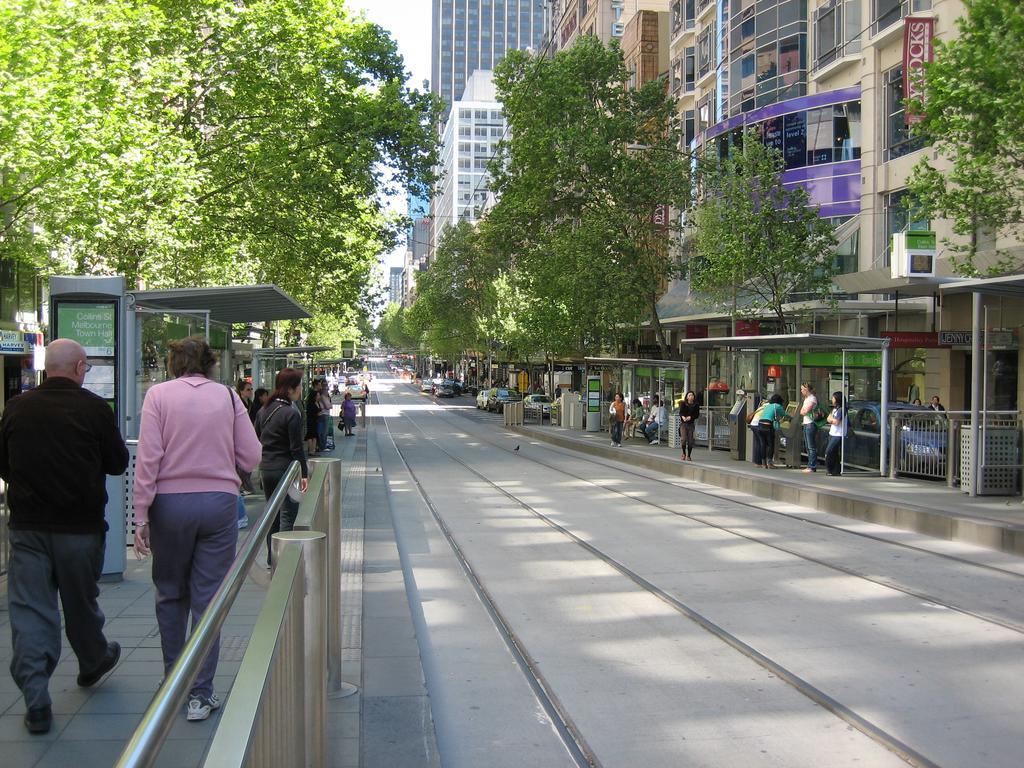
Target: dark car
point(454, 385)
point(500, 396)
point(444, 389)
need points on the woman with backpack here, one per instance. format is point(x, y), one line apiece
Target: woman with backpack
point(836, 433)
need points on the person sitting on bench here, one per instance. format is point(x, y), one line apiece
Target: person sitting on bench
point(655, 419)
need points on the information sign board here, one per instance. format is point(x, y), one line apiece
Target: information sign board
point(94, 326)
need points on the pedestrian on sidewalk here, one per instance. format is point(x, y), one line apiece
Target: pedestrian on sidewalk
point(769, 420)
point(312, 417)
point(57, 443)
point(807, 414)
point(348, 413)
point(279, 426)
point(617, 412)
point(324, 400)
point(193, 435)
point(836, 434)
point(689, 412)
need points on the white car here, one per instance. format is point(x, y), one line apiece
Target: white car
point(481, 398)
point(426, 385)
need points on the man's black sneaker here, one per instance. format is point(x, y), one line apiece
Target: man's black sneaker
point(39, 719)
point(89, 679)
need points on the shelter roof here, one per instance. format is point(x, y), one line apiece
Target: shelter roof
point(227, 303)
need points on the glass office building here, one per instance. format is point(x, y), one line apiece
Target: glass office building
point(475, 34)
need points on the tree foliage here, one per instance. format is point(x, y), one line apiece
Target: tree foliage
point(207, 142)
point(392, 331)
point(974, 99)
point(757, 243)
point(585, 166)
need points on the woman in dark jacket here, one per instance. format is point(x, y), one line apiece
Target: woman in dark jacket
point(688, 413)
point(279, 426)
point(312, 416)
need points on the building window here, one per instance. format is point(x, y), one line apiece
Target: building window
point(677, 15)
point(885, 13)
point(465, 114)
point(583, 9)
point(689, 70)
point(902, 215)
point(689, 126)
point(846, 131)
point(898, 140)
point(705, 50)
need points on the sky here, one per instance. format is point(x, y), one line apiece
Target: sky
point(408, 21)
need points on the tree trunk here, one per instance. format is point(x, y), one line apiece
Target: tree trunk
point(656, 325)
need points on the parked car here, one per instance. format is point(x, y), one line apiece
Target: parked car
point(534, 403)
point(481, 398)
point(499, 396)
point(455, 385)
point(444, 389)
point(426, 385)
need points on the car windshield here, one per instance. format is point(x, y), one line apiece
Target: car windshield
point(540, 399)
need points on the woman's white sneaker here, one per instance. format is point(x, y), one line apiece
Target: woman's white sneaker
point(200, 707)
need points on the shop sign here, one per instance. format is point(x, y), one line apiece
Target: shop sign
point(835, 359)
point(917, 52)
point(660, 217)
point(748, 327)
point(778, 358)
point(696, 331)
point(618, 28)
point(966, 338)
point(14, 343)
point(912, 339)
point(774, 372)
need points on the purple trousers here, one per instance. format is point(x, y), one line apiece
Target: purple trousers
point(193, 537)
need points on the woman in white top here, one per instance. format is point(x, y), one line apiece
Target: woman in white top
point(836, 433)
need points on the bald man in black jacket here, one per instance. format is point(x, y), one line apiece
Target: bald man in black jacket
point(57, 444)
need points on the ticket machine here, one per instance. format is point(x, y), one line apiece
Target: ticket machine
point(738, 429)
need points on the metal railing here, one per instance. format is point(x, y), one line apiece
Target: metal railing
point(718, 418)
point(277, 708)
point(513, 412)
point(930, 444)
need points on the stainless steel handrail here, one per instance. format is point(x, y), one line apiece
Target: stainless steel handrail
point(145, 744)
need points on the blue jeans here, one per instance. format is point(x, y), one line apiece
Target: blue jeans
point(651, 431)
point(617, 432)
point(833, 455)
point(811, 444)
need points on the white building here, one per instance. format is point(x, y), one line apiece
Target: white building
point(470, 140)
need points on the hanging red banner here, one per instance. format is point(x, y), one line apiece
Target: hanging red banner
point(917, 51)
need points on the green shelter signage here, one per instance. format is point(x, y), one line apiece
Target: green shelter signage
point(94, 326)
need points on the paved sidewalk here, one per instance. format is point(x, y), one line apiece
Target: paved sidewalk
point(996, 522)
point(91, 726)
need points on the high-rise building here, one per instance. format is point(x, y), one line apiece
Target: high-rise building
point(470, 140)
point(395, 285)
point(475, 34)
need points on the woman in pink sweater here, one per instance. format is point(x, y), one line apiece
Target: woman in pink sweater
point(194, 432)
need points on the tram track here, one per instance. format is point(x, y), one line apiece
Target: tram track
point(888, 584)
point(570, 734)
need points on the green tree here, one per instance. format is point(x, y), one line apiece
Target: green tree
point(974, 99)
point(391, 329)
point(206, 142)
point(587, 164)
point(756, 242)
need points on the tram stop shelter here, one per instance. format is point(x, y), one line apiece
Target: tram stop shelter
point(153, 318)
point(760, 366)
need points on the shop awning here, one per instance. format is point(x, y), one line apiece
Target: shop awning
point(227, 303)
point(789, 341)
point(1011, 285)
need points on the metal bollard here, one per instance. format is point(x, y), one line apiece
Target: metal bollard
point(314, 609)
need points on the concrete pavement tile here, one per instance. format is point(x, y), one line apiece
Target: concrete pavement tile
point(343, 725)
point(82, 754)
point(398, 732)
point(389, 637)
point(22, 754)
point(343, 753)
point(112, 702)
point(99, 727)
point(182, 753)
point(9, 699)
point(401, 676)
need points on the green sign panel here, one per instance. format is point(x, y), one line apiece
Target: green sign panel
point(675, 374)
point(643, 371)
point(920, 241)
point(835, 359)
point(778, 358)
point(94, 326)
point(348, 349)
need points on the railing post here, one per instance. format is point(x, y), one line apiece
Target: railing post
point(314, 604)
point(892, 446)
